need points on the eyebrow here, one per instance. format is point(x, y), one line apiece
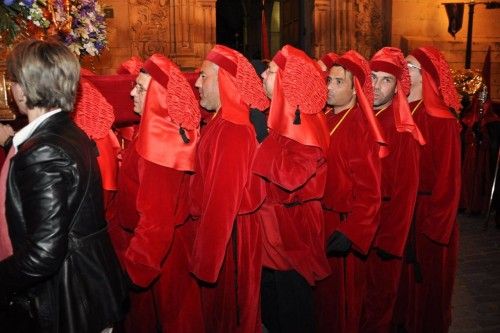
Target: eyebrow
point(383, 77)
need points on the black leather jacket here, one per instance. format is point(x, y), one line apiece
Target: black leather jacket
point(63, 258)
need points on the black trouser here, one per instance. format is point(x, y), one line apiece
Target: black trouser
point(287, 302)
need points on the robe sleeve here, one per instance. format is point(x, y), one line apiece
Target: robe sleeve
point(157, 199)
point(445, 196)
point(402, 171)
point(361, 224)
point(225, 176)
point(281, 164)
point(108, 148)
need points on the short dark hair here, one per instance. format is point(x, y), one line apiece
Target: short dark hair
point(47, 71)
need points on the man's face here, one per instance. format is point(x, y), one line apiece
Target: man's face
point(269, 76)
point(384, 88)
point(414, 68)
point(340, 86)
point(208, 86)
point(139, 92)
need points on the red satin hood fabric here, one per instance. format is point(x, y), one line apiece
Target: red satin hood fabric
point(116, 89)
point(359, 67)
point(438, 89)
point(130, 66)
point(329, 59)
point(169, 110)
point(299, 85)
point(392, 61)
point(239, 86)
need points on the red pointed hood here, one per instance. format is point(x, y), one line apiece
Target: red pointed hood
point(130, 66)
point(169, 128)
point(239, 86)
point(392, 61)
point(299, 95)
point(438, 89)
point(329, 59)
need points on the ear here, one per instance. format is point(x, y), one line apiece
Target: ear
point(22, 98)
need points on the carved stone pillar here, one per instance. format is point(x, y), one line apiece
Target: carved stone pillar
point(183, 30)
point(149, 27)
point(192, 31)
point(369, 26)
point(334, 26)
point(204, 30)
point(341, 25)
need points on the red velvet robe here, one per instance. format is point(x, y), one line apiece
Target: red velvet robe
point(153, 242)
point(426, 306)
point(227, 249)
point(476, 174)
point(109, 149)
point(400, 173)
point(293, 235)
point(353, 187)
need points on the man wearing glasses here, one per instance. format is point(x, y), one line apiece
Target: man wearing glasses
point(426, 302)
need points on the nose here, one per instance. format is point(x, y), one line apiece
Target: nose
point(197, 84)
point(264, 74)
point(133, 92)
point(329, 85)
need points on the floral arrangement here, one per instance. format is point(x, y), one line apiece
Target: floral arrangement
point(87, 35)
point(79, 24)
point(17, 16)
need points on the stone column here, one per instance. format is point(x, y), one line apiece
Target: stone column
point(334, 22)
point(341, 25)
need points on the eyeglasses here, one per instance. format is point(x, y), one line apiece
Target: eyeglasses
point(410, 65)
point(139, 88)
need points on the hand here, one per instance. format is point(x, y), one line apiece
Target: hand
point(338, 244)
point(6, 132)
point(259, 122)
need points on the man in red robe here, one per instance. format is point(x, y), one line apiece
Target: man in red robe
point(151, 206)
point(424, 303)
point(292, 160)
point(352, 194)
point(391, 85)
point(225, 195)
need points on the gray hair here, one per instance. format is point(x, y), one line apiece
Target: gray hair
point(47, 71)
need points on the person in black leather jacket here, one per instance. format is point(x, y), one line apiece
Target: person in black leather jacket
point(63, 275)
